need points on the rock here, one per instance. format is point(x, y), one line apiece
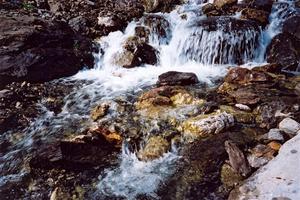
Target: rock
point(112, 137)
point(242, 107)
point(297, 89)
point(177, 78)
point(79, 24)
point(274, 134)
point(237, 158)
point(276, 179)
point(239, 115)
point(99, 111)
point(265, 5)
point(229, 176)
point(109, 22)
point(291, 26)
point(245, 96)
point(38, 50)
point(260, 155)
point(284, 49)
point(244, 76)
point(203, 126)
point(155, 147)
point(289, 126)
point(135, 53)
point(159, 27)
point(260, 16)
point(223, 3)
point(274, 145)
point(256, 162)
point(159, 5)
point(207, 8)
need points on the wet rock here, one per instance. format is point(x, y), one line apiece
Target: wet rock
point(109, 22)
point(274, 134)
point(239, 115)
point(229, 28)
point(246, 96)
point(203, 126)
point(260, 16)
point(177, 78)
point(284, 49)
point(155, 147)
point(237, 158)
point(159, 5)
point(291, 26)
point(38, 50)
point(136, 52)
point(244, 76)
point(289, 126)
point(265, 5)
point(224, 3)
point(206, 9)
point(159, 27)
point(99, 111)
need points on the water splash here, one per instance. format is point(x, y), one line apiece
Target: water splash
point(134, 177)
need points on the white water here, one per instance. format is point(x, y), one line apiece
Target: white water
point(134, 177)
point(179, 51)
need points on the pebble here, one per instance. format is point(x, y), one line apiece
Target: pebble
point(289, 126)
point(242, 107)
point(274, 145)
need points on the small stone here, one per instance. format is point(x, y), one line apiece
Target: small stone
point(274, 134)
point(274, 145)
point(99, 111)
point(155, 147)
point(243, 107)
point(289, 126)
point(18, 105)
point(256, 162)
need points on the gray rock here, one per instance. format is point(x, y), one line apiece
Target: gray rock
point(274, 134)
point(289, 126)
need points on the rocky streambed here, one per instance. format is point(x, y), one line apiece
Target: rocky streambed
point(180, 103)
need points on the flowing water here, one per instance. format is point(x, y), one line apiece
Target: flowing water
point(188, 45)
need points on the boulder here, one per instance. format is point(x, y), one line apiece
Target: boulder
point(289, 126)
point(203, 126)
point(135, 53)
point(260, 16)
point(38, 50)
point(237, 158)
point(244, 76)
point(155, 147)
point(276, 179)
point(265, 5)
point(224, 3)
point(159, 5)
point(291, 26)
point(284, 49)
point(177, 78)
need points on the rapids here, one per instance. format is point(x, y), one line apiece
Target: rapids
point(186, 47)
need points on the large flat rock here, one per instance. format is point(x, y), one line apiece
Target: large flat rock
point(279, 179)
